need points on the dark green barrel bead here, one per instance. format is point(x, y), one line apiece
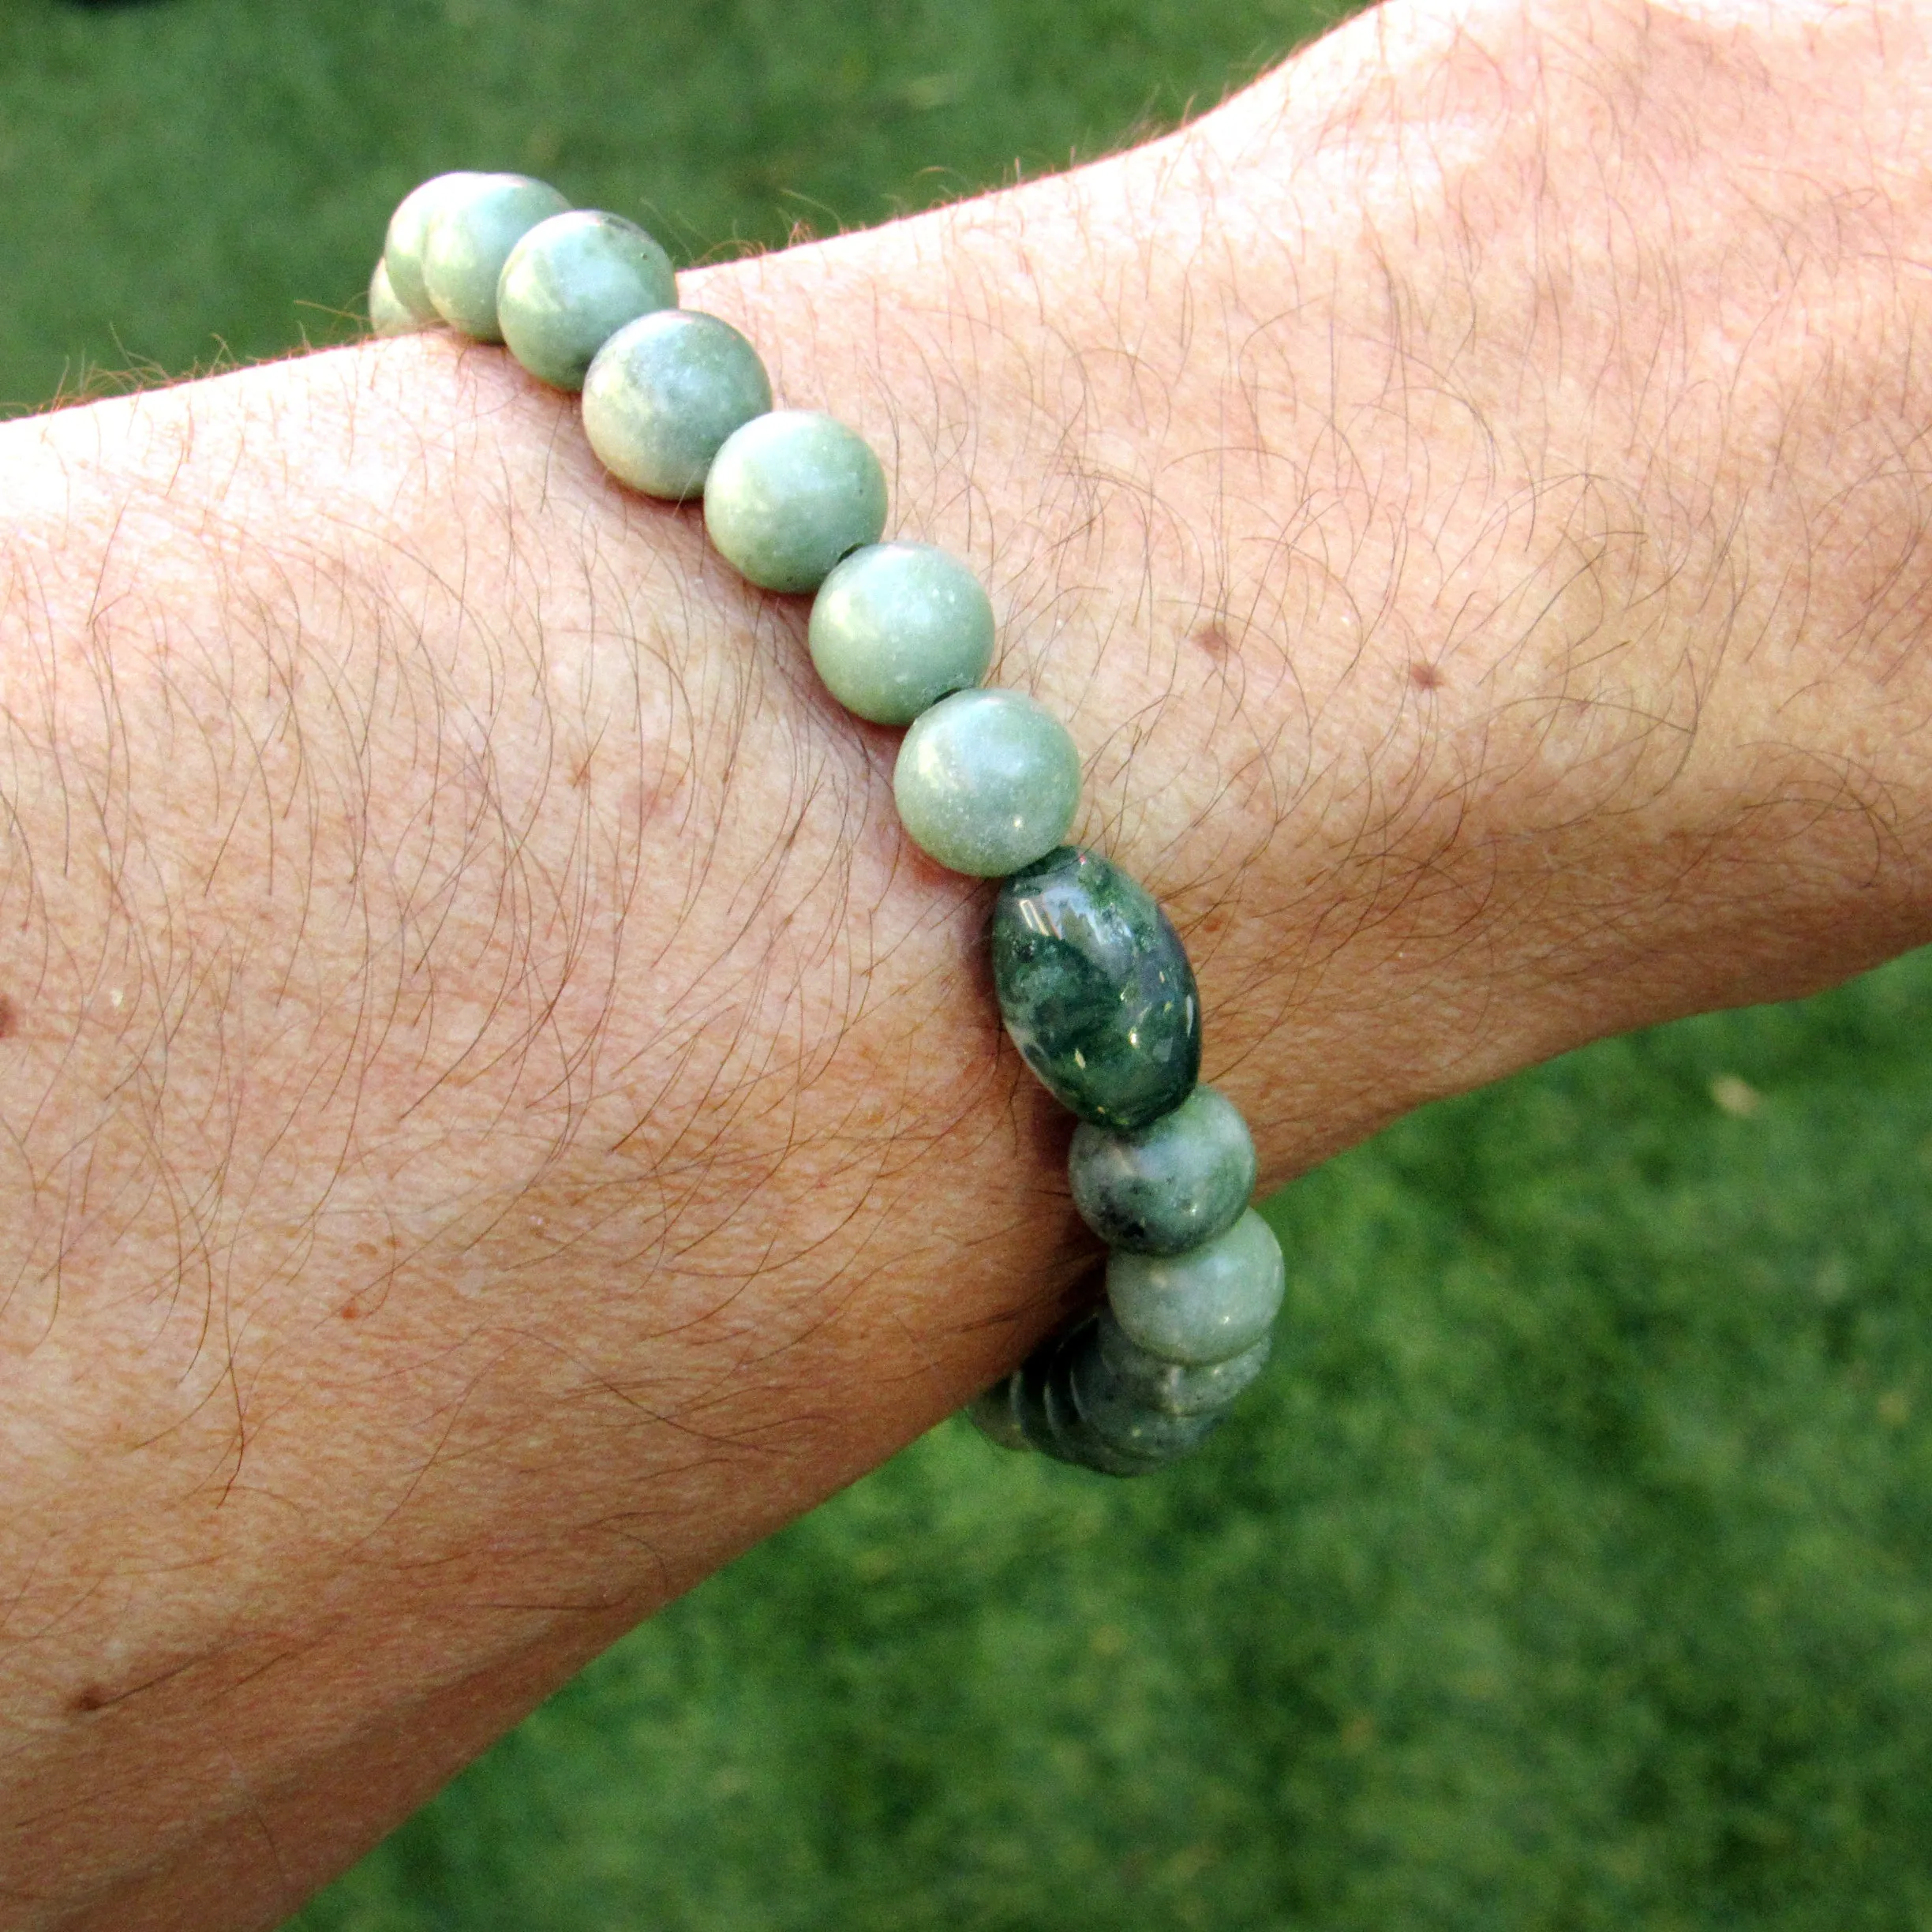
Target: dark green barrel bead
point(1105, 1404)
point(1050, 1418)
point(1166, 1188)
point(1095, 990)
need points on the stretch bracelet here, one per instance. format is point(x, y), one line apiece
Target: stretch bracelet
point(1094, 984)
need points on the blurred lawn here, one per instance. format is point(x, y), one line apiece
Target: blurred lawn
point(1574, 1568)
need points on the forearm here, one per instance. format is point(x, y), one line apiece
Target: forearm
point(497, 1117)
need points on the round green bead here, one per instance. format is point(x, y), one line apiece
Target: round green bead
point(572, 283)
point(897, 627)
point(1117, 1374)
point(472, 229)
point(1207, 1305)
point(409, 236)
point(789, 495)
point(665, 393)
point(1108, 1406)
point(388, 316)
point(1168, 1187)
point(1095, 990)
point(987, 782)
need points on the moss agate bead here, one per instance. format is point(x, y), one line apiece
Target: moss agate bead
point(1107, 1407)
point(1117, 1373)
point(409, 236)
point(1168, 1187)
point(1095, 990)
point(1047, 1414)
point(472, 229)
point(986, 781)
point(897, 627)
point(571, 284)
point(388, 316)
point(665, 393)
point(789, 495)
point(1207, 1305)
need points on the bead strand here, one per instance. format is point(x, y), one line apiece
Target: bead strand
point(1094, 984)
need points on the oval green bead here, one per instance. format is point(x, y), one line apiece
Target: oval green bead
point(986, 781)
point(570, 283)
point(1207, 1305)
point(897, 627)
point(471, 230)
point(1168, 1187)
point(1095, 990)
point(1107, 1404)
point(789, 495)
point(1117, 1373)
point(388, 316)
point(665, 393)
point(1048, 1416)
point(409, 236)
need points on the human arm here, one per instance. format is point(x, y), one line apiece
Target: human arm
point(550, 1130)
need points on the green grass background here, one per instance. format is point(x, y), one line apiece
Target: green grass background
point(1573, 1568)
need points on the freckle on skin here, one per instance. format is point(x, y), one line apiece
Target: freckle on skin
point(91, 1698)
point(1425, 676)
point(1213, 640)
point(9, 1018)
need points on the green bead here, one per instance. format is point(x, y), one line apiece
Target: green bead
point(665, 394)
point(1207, 1305)
point(1046, 1414)
point(986, 781)
point(1095, 990)
point(471, 230)
point(388, 316)
point(898, 626)
point(572, 283)
point(790, 494)
point(1168, 1187)
point(993, 1414)
point(409, 236)
point(1107, 1404)
point(1117, 1374)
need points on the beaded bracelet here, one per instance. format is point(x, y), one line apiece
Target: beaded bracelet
point(1094, 984)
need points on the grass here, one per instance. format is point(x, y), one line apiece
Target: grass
point(1572, 1569)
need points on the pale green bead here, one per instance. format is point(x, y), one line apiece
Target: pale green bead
point(388, 316)
point(789, 495)
point(897, 627)
point(987, 782)
point(1207, 1305)
point(572, 283)
point(664, 395)
point(1116, 1374)
point(471, 230)
point(409, 236)
point(1167, 1187)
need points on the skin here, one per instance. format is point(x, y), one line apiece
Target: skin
point(497, 1119)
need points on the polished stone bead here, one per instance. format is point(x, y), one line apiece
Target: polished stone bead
point(665, 394)
point(471, 230)
point(991, 1411)
point(1116, 1372)
point(897, 627)
point(986, 781)
point(1168, 1187)
point(388, 316)
point(1210, 1305)
point(409, 236)
point(1048, 1416)
point(571, 284)
point(1095, 990)
point(789, 495)
point(1108, 1405)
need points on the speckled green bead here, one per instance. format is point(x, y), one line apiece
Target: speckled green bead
point(388, 316)
point(1168, 1187)
point(1207, 1305)
point(1048, 1415)
point(409, 236)
point(789, 495)
point(1117, 1374)
point(571, 284)
point(1106, 1407)
point(665, 393)
point(986, 781)
point(897, 627)
point(471, 230)
point(1095, 990)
